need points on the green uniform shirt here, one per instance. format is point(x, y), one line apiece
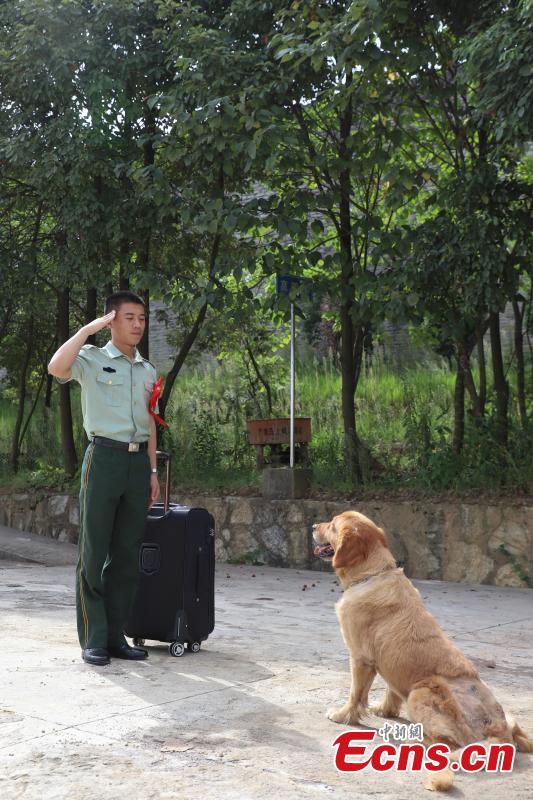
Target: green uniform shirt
point(114, 392)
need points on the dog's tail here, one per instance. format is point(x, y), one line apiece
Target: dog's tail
point(439, 781)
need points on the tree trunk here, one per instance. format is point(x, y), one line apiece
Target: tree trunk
point(186, 346)
point(501, 388)
point(6, 319)
point(104, 255)
point(15, 444)
point(123, 277)
point(146, 224)
point(36, 399)
point(349, 352)
point(48, 395)
point(193, 333)
point(70, 458)
point(49, 380)
point(259, 375)
point(463, 358)
point(347, 395)
point(144, 344)
point(458, 411)
point(482, 368)
point(520, 369)
point(16, 441)
point(90, 310)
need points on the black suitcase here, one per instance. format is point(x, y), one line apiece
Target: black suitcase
point(175, 600)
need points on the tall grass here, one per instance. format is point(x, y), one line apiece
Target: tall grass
point(405, 418)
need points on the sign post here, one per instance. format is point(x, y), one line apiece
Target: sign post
point(291, 446)
point(284, 285)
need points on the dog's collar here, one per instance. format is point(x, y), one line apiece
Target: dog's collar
point(369, 577)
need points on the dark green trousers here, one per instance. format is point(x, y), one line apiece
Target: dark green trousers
point(114, 497)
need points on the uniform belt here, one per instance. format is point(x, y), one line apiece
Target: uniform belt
point(132, 447)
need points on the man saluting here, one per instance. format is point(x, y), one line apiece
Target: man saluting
point(119, 476)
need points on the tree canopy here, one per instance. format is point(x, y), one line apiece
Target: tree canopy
point(194, 150)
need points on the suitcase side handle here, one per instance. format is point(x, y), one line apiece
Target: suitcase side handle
point(166, 457)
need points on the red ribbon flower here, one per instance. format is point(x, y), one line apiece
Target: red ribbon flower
point(154, 397)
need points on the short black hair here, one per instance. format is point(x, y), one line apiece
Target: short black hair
point(114, 301)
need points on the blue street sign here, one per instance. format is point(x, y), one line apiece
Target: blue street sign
point(285, 284)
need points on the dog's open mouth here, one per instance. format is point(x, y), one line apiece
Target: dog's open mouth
point(324, 550)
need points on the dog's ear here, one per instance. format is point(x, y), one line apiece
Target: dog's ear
point(355, 543)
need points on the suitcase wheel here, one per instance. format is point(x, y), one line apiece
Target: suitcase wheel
point(176, 649)
point(138, 642)
point(194, 647)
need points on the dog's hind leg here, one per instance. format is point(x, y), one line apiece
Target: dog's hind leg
point(432, 703)
point(390, 705)
point(356, 707)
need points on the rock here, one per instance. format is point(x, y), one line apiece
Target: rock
point(221, 553)
point(274, 540)
point(58, 504)
point(513, 536)
point(241, 513)
point(242, 540)
point(74, 514)
point(454, 541)
point(295, 513)
point(506, 576)
point(226, 534)
point(299, 546)
point(467, 564)
point(21, 499)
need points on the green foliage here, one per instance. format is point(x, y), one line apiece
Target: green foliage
point(405, 418)
point(205, 444)
point(48, 477)
point(252, 557)
point(498, 56)
point(194, 150)
point(482, 463)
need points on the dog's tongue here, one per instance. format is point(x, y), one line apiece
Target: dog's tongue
point(323, 550)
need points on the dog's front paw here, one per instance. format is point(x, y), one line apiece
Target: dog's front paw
point(346, 715)
point(384, 711)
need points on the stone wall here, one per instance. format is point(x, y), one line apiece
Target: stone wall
point(446, 541)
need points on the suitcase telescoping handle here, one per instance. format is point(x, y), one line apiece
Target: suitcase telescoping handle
point(160, 454)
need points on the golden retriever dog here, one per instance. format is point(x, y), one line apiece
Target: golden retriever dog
point(388, 631)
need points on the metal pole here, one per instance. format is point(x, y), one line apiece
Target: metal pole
point(292, 389)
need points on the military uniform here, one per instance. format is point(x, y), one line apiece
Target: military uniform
point(115, 488)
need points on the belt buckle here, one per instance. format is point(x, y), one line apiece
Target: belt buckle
point(133, 447)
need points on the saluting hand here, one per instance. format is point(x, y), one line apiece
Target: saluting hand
point(97, 324)
point(61, 362)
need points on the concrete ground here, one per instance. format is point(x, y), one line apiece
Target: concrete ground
point(245, 717)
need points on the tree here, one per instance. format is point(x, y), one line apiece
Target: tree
point(472, 179)
point(498, 57)
point(212, 155)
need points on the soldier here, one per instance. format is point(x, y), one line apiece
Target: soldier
point(119, 476)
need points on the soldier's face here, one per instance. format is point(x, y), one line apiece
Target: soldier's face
point(129, 324)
